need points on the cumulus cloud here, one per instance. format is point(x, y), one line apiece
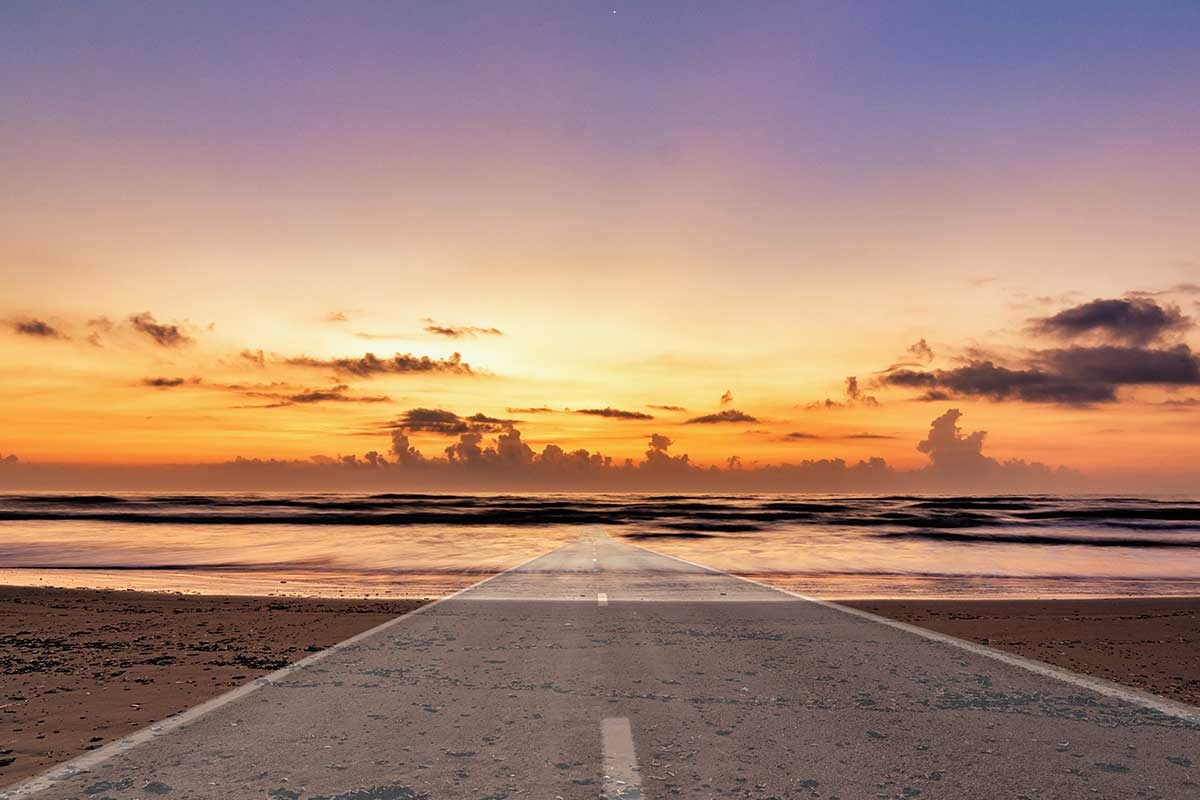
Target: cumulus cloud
point(948, 448)
point(613, 413)
point(164, 335)
point(37, 328)
point(1132, 320)
point(370, 365)
point(459, 331)
point(728, 415)
point(500, 460)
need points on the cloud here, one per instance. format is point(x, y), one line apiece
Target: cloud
point(255, 357)
point(728, 415)
point(921, 351)
point(726, 398)
point(798, 435)
point(334, 394)
point(166, 383)
point(1124, 365)
point(988, 380)
point(1069, 376)
point(1132, 320)
point(164, 335)
point(868, 436)
point(370, 365)
point(337, 316)
point(534, 410)
point(459, 331)
point(665, 408)
point(480, 461)
point(949, 449)
point(447, 423)
point(853, 394)
point(613, 413)
point(37, 328)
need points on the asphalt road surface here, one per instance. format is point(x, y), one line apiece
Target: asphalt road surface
point(605, 670)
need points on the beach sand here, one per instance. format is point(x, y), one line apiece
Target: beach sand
point(1147, 643)
point(81, 668)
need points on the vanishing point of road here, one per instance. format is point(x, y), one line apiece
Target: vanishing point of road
point(605, 670)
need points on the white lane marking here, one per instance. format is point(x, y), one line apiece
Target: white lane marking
point(1108, 689)
point(602, 599)
point(622, 778)
point(95, 758)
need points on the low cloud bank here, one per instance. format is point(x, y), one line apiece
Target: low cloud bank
point(489, 454)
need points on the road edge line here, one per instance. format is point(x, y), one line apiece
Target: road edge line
point(1171, 708)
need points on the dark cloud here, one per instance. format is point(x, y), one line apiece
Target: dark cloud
point(1124, 365)
point(459, 331)
point(728, 415)
point(665, 408)
point(334, 394)
point(988, 380)
point(726, 398)
point(37, 328)
point(447, 423)
point(613, 413)
point(165, 335)
point(401, 363)
point(868, 436)
point(8, 459)
point(166, 383)
point(534, 410)
point(921, 351)
point(797, 435)
point(1132, 320)
point(282, 394)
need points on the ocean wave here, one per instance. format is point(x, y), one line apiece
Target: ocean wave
point(1039, 539)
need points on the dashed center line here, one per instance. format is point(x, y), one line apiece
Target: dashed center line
point(622, 778)
point(602, 599)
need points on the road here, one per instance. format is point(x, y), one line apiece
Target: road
point(602, 669)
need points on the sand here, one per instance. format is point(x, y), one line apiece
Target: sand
point(80, 668)
point(1147, 643)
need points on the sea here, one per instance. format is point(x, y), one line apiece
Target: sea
point(420, 545)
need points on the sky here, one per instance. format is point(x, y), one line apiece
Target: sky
point(775, 233)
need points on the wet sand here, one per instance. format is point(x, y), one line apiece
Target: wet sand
point(1147, 643)
point(80, 668)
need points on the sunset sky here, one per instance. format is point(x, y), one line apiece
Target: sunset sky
point(700, 219)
